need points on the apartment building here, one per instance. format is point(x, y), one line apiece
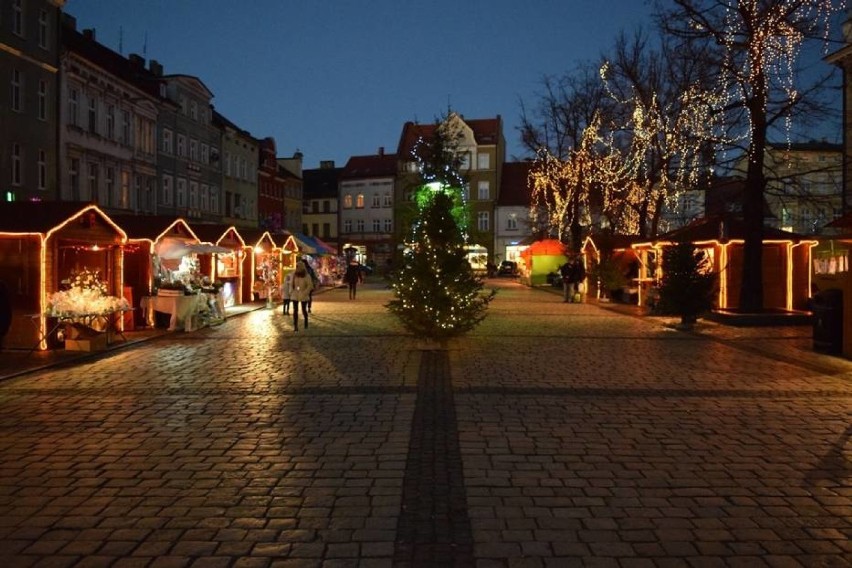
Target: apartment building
point(108, 114)
point(320, 202)
point(367, 207)
point(512, 227)
point(29, 66)
point(240, 158)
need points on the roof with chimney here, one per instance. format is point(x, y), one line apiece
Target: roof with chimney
point(320, 183)
point(486, 132)
point(378, 165)
point(514, 185)
point(221, 121)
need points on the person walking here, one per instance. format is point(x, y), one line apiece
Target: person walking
point(567, 273)
point(314, 281)
point(352, 277)
point(300, 293)
point(286, 291)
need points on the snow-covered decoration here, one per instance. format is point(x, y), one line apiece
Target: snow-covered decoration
point(87, 295)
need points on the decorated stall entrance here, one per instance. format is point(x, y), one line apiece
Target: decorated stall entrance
point(224, 267)
point(261, 267)
point(62, 264)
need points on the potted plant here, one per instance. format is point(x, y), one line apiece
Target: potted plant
point(688, 284)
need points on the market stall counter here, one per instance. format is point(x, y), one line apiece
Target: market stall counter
point(187, 312)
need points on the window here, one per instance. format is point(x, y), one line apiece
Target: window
point(214, 199)
point(93, 115)
point(182, 102)
point(168, 190)
point(464, 162)
point(123, 200)
point(483, 161)
point(193, 149)
point(482, 220)
point(347, 226)
point(74, 178)
point(42, 100)
point(227, 164)
point(109, 182)
point(388, 225)
point(17, 157)
point(484, 192)
point(205, 153)
point(110, 122)
point(205, 197)
point(42, 29)
point(377, 200)
point(18, 17)
point(347, 201)
point(193, 110)
point(73, 103)
point(315, 229)
point(359, 225)
point(359, 201)
point(512, 222)
point(193, 195)
point(93, 181)
point(42, 169)
point(17, 97)
point(326, 206)
point(377, 226)
point(125, 127)
point(181, 192)
point(326, 230)
point(168, 140)
point(181, 146)
point(386, 200)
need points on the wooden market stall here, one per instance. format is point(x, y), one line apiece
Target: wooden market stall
point(261, 266)
point(46, 247)
point(225, 268)
point(613, 267)
point(786, 261)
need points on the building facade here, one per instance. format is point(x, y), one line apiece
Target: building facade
point(512, 227)
point(29, 66)
point(240, 155)
point(367, 207)
point(270, 188)
point(320, 201)
point(189, 145)
point(290, 171)
point(108, 114)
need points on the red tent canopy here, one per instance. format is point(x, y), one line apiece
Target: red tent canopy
point(545, 247)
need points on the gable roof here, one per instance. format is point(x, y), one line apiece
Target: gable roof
point(722, 228)
point(514, 186)
point(150, 227)
point(320, 183)
point(486, 131)
point(40, 217)
point(378, 165)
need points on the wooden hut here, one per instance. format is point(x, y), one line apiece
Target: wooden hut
point(786, 261)
point(225, 268)
point(613, 266)
point(43, 244)
point(261, 265)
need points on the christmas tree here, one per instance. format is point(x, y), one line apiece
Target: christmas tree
point(437, 294)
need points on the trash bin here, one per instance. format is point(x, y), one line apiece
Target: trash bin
point(828, 321)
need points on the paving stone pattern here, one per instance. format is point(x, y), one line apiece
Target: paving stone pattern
point(554, 435)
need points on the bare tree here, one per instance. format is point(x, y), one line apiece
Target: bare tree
point(756, 43)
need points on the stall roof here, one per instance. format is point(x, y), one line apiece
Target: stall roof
point(312, 245)
point(213, 233)
point(719, 228)
point(41, 217)
point(254, 236)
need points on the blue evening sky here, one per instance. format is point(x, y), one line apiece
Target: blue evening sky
point(338, 78)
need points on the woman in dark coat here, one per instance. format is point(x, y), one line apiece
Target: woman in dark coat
point(352, 277)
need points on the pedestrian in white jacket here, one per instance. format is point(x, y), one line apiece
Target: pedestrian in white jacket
point(300, 293)
point(286, 291)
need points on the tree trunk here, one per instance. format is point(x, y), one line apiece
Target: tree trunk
point(751, 290)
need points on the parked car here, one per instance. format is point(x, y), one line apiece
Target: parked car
point(508, 268)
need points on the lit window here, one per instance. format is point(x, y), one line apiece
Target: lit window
point(359, 201)
point(347, 201)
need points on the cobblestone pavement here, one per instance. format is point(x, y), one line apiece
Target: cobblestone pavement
point(554, 435)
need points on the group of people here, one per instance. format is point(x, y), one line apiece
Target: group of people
point(299, 285)
point(573, 273)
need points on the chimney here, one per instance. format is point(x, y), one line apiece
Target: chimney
point(381, 150)
point(327, 164)
point(155, 67)
point(89, 34)
point(136, 60)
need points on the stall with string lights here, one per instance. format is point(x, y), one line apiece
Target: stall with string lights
point(61, 262)
point(226, 267)
point(786, 261)
point(613, 266)
point(261, 266)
